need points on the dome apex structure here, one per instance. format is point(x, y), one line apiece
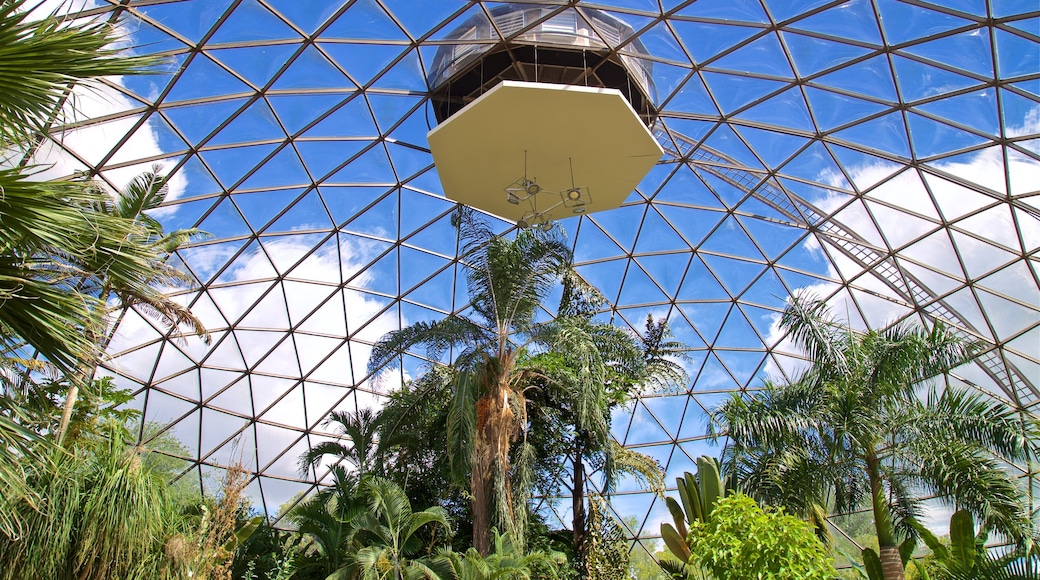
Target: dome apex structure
point(883, 154)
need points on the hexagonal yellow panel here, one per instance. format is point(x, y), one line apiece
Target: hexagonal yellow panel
point(559, 150)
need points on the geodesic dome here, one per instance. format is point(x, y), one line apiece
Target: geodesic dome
point(883, 153)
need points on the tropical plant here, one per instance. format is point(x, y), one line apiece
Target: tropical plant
point(105, 516)
point(698, 495)
point(852, 429)
point(740, 540)
point(39, 59)
point(582, 381)
point(967, 558)
point(133, 273)
point(328, 524)
point(389, 534)
point(364, 453)
point(505, 562)
point(507, 280)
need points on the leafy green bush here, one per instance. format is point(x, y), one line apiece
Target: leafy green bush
point(741, 540)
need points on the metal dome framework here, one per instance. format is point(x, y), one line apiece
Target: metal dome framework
point(885, 153)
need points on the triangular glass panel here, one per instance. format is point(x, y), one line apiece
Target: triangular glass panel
point(298, 111)
point(204, 78)
point(815, 163)
point(215, 382)
point(226, 220)
point(268, 313)
point(906, 22)
point(773, 239)
point(784, 110)
point(437, 292)
point(306, 16)
point(284, 169)
point(726, 10)
point(144, 34)
point(312, 70)
point(236, 398)
point(742, 364)
point(713, 377)
point(313, 350)
point(734, 274)
point(660, 42)
point(407, 74)
point(251, 22)
point(322, 158)
point(899, 228)
point(362, 61)
point(644, 428)
point(257, 123)
point(390, 109)
point(439, 236)
point(364, 20)
point(306, 213)
point(686, 188)
point(932, 138)
point(419, 21)
point(638, 289)
point(977, 110)
point(705, 40)
point(229, 165)
point(417, 266)
point(854, 21)
point(382, 275)
point(173, 362)
point(865, 170)
point(767, 289)
point(938, 252)
point(198, 120)
point(979, 258)
point(421, 208)
point(379, 220)
point(732, 186)
point(871, 77)
point(192, 22)
point(218, 429)
point(372, 166)
point(606, 276)
point(163, 409)
point(295, 255)
point(261, 206)
point(256, 64)
point(621, 224)
point(701, 284)
point(729, 238)
point(918, 80)
point(407, 161)
point(656, 235)
point(886, 133)
point(666, 269)
point(691, 97)
point(763, 56)
point(787, 10)
point(812, 55)
point(227, 354)
point(592, 244)
point(706, 317)
point(967, 51)
point(734, 92)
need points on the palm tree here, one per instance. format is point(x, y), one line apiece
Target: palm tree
point(328, 524)
point(505, 562)
point(854, 429)
point(389, 533)
point(507, 280)
point(365, 451)
point(44, 227)
point(131, 270)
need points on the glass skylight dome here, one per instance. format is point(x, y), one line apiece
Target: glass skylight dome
point(884, 154)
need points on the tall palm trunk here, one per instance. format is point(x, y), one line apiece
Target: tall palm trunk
point(888, 548)
point(578, 495)
point(489, 479)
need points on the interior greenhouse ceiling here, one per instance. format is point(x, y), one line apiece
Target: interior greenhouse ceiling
point(884, 154)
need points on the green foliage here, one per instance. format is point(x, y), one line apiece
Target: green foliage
point(504, 562)
point(698, 495)
point(853, 431)
point(741, 540)
point(967, 558)
point(606, 547)
point(106, 516)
